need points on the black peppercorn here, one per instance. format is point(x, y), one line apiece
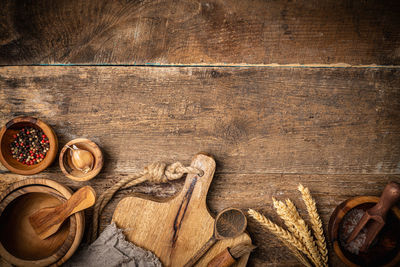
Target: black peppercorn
point(30, 146)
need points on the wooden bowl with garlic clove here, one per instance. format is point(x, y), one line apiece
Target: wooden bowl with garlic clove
point(81, 159)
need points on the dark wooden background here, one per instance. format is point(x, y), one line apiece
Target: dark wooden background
point(280, 92)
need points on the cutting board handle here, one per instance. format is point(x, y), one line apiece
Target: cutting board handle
point(196, 186)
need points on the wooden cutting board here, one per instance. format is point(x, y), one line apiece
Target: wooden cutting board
point(175, 228)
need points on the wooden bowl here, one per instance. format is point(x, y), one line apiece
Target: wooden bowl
point(385, 251)
point(6, 138)
point(18, 243)
point(68, 168)
point(24, 247)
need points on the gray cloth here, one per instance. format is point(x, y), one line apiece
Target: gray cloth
point(112, 250)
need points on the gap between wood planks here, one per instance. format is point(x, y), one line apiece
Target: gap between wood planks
point(273, 65)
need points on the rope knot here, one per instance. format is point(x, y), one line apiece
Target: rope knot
point(155, 172)
point(159, 172)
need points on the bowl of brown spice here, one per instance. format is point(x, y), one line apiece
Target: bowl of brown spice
point(28, 145)
point(384, 251)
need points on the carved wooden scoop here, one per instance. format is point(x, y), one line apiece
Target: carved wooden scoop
point(47, 221)
point(377, 215)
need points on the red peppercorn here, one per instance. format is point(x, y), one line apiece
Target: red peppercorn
point(29, 146)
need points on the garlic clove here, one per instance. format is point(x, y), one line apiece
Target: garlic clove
point(82, 159)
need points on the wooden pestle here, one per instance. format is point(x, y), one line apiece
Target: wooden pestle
point(47, 221)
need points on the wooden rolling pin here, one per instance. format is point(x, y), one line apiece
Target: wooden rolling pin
point(229, 255)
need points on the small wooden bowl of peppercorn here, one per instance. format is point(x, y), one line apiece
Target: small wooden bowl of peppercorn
point(81, 159)
point(28, 145)
point(384, 251)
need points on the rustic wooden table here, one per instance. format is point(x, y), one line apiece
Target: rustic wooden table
point(280, 92)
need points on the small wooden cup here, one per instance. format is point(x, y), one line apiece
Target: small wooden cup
point(386, 251)
point(19, 244)
point(6, 138)
point(66, 163)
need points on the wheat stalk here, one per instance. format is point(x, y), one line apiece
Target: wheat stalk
point(299, 227)
point(316, 223)
point(288, 218)
point(307, 236)
point(286, 237)
point(296, 253)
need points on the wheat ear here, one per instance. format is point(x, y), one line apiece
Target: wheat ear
point(307, 237)
point(316, 223)
point(286, 237)
point(289, 218)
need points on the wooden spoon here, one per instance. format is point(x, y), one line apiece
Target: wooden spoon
point(47, 221)
point(229, 223)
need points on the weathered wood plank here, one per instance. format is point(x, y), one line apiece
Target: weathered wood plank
point(337, 131)
point(200, 32)
point(246, 191)
point(279, 120)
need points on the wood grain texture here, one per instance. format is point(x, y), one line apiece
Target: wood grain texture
point(199, 32)
point(291, 120)
point(337, 131)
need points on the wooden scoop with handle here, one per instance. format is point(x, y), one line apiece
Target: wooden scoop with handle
point(375, 217)
point(47, 221)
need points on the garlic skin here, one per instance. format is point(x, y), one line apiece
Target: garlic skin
point(81, 159)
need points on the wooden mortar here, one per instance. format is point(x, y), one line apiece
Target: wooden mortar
point(18, 243)
point(16, 204)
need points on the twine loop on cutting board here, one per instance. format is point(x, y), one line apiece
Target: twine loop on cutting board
point(157, 172)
